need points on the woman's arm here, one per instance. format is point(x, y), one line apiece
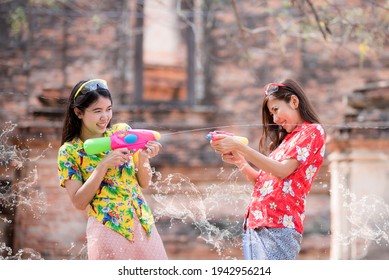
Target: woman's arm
point(240, 162)
point(250, 173)
point(281, 170)
point(144, 173)
point(81, 194)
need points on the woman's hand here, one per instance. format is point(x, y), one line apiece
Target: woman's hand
point(232, 151)
point(144, 170)
point(234, 158)
point(152, 149)
point(115, 158)
point(225, 144)
point(81, 194)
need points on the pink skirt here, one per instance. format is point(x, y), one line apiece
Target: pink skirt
point(105, 244)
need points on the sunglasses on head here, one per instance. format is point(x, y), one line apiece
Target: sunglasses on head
point(271, 88)
point(91, 85)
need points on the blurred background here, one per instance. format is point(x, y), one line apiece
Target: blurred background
point(185, 68)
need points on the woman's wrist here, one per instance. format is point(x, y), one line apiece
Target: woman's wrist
point(242, 166)
point(143, 156)
point(102, 167)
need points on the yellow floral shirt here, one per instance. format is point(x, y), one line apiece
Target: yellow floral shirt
point(119, 196)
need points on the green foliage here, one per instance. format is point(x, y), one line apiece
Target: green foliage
point(18, 21)
point(17, 17)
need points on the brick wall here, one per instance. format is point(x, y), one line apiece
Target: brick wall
point(66, 45)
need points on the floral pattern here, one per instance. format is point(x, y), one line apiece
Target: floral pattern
point(119, 197)
point(281, 203)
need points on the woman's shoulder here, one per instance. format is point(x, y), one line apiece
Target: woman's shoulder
point(308, 132)
point(69, 146)
point(67, 150)
point(313, 127)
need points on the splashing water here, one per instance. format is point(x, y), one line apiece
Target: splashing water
point(369, 220)
point(17, 192)
point(181, 200)
point(10, 156)
point(367, 216)
point(216, 210)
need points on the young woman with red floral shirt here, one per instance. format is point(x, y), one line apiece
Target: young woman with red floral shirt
point(291, 152)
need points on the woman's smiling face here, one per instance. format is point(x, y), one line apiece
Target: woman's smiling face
point(285, 114)
point(95, 118)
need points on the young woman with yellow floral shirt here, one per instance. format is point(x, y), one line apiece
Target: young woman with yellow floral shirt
point(120, 223)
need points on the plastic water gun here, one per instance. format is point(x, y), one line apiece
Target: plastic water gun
point(133, 140)
point(211, 136)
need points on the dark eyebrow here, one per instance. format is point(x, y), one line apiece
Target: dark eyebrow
point(98, 108)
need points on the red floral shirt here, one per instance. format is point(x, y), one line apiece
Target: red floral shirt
point(281, 203)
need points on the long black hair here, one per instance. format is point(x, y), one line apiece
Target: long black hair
point(72, 124)
point(273, 134)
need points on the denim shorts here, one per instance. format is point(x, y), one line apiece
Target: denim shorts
point(271, 244)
